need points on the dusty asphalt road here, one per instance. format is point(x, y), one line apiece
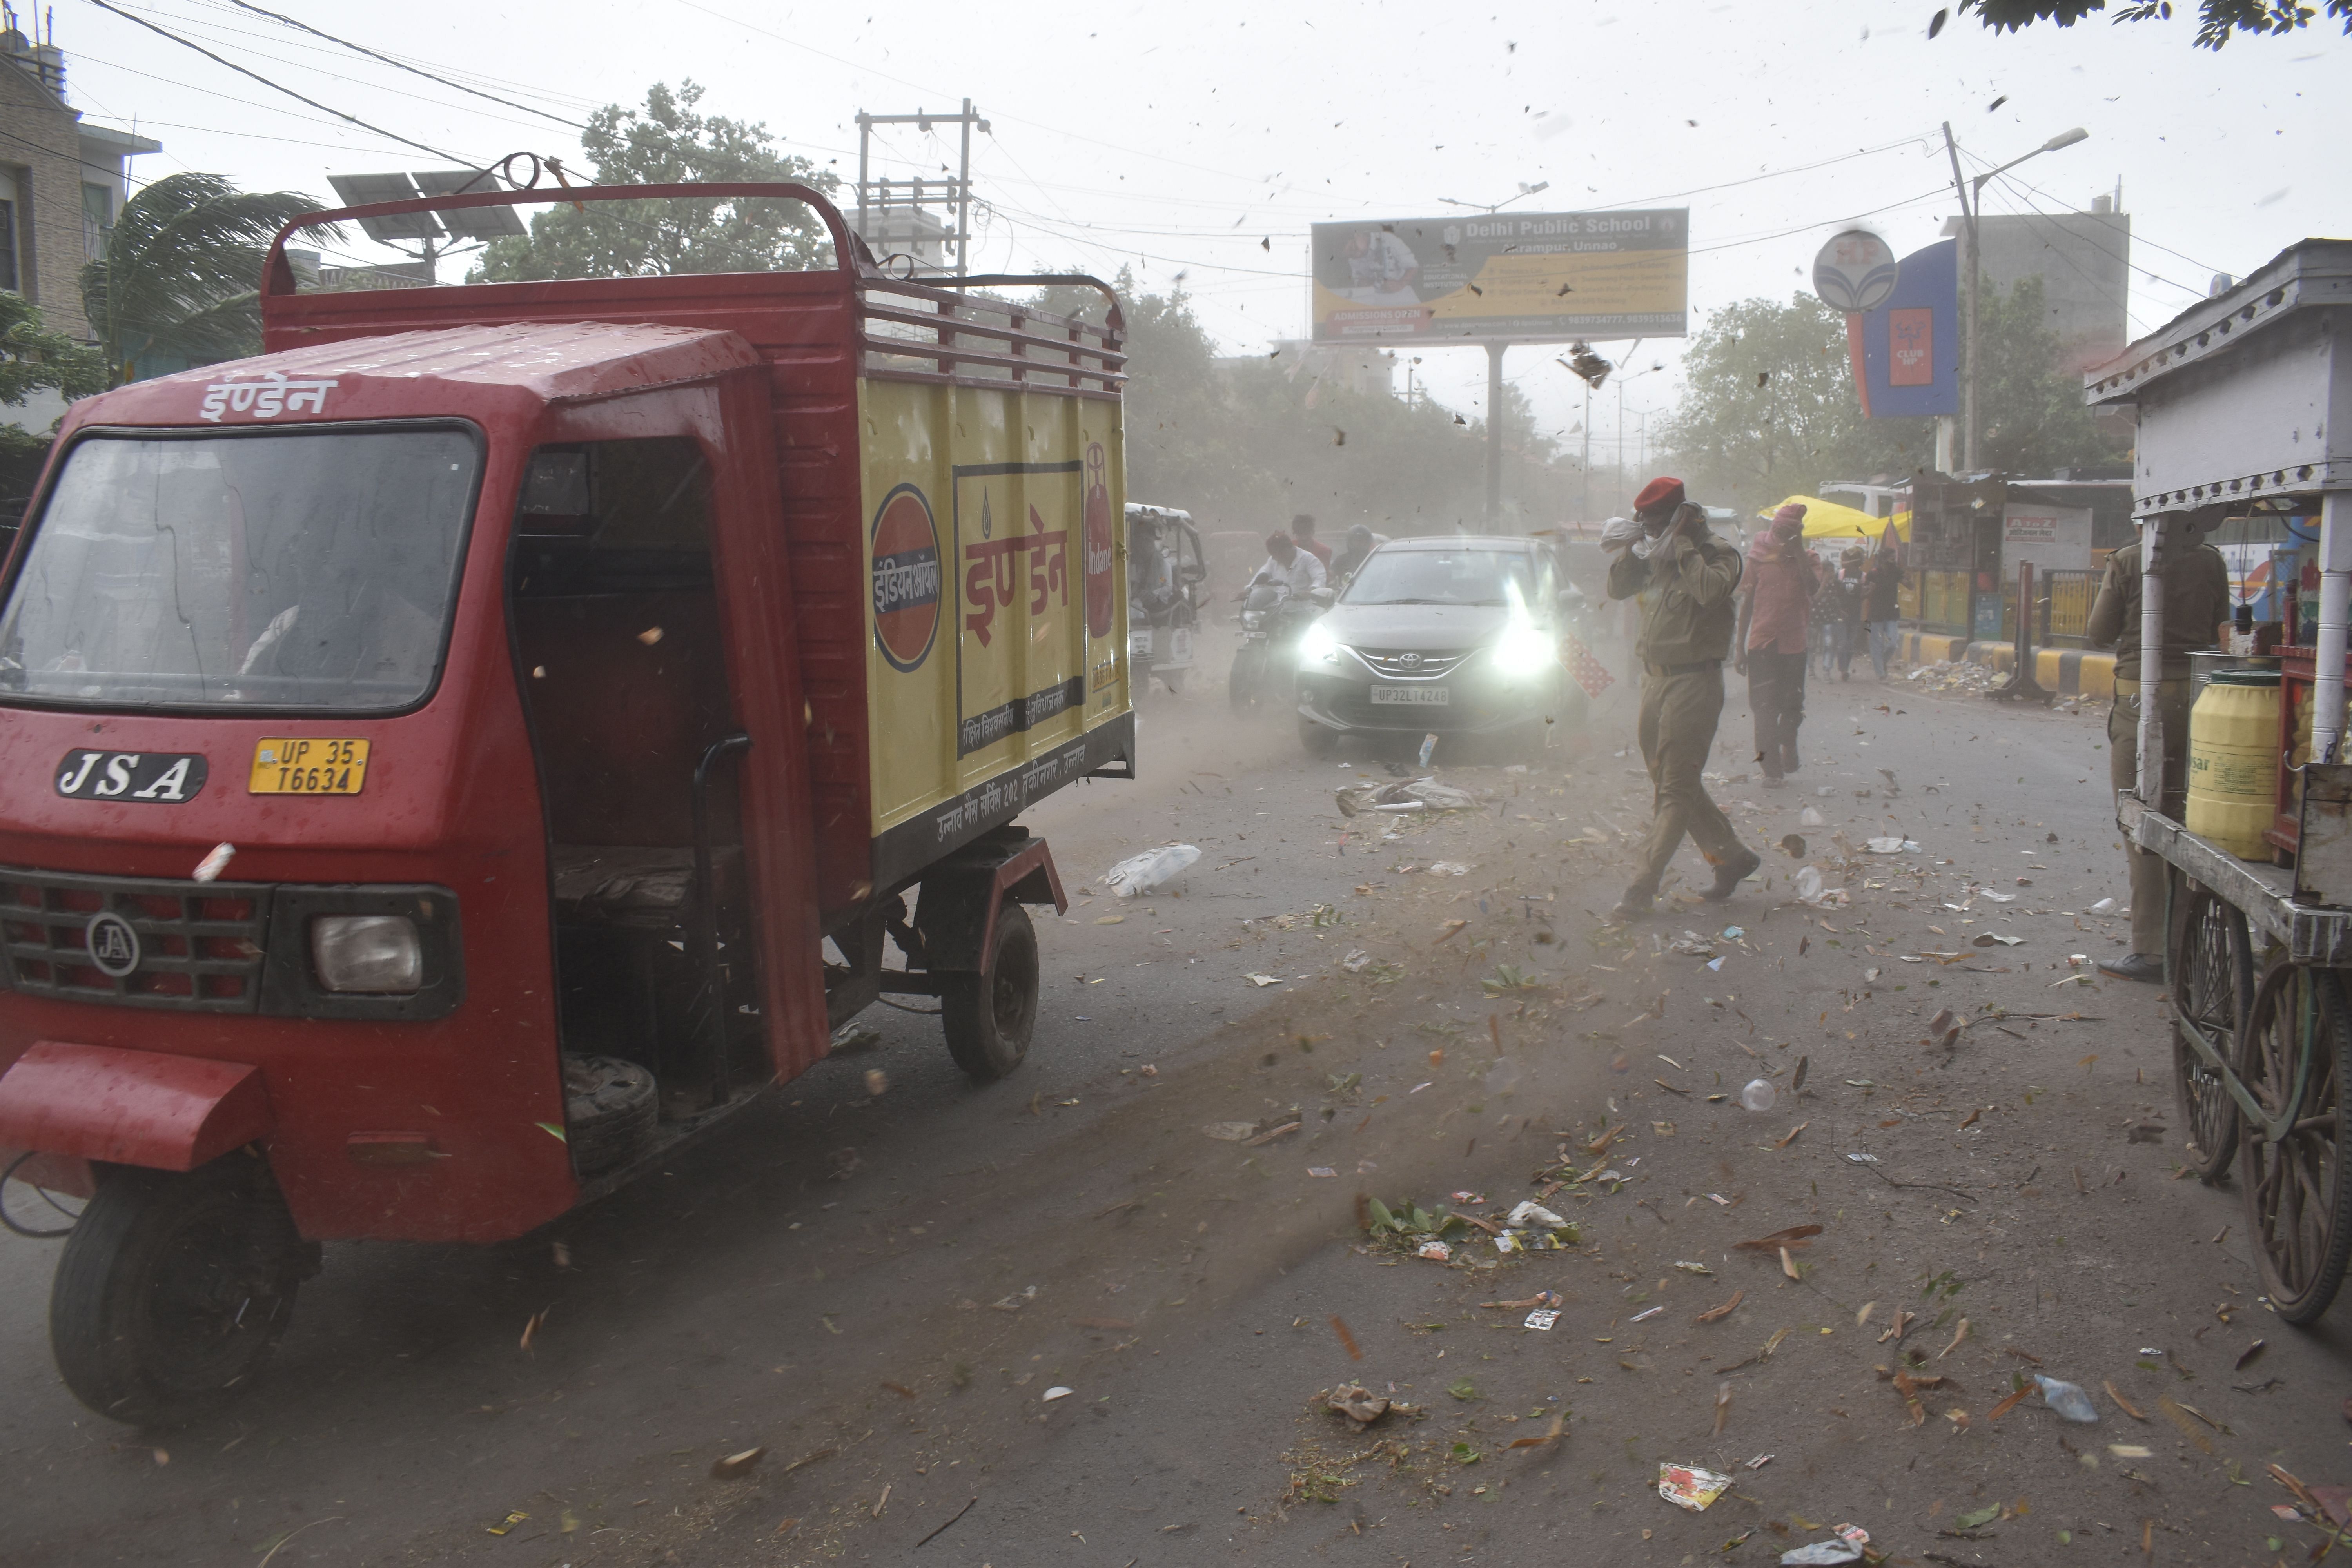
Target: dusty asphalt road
point(845, 1279)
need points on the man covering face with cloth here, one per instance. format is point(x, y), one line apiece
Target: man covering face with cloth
point(1683, 579)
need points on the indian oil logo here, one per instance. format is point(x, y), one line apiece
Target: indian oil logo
point(905, 578)
point(1098, 549)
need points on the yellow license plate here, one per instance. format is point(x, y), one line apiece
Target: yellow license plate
point(308, 765)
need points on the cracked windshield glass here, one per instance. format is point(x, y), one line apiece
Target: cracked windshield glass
point(1556, 786)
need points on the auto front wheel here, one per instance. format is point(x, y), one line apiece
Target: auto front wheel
point(173, 1288)
point(989, 1016)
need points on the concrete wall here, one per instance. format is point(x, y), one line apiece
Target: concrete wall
point(39, 141)
point(2081, 259)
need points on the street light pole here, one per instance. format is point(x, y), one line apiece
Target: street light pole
point(1495, 433)
point(1971, 194)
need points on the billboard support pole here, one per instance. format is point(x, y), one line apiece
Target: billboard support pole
point(1495, 432)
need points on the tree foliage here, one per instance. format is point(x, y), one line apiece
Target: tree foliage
point(2218, 21)
point(178, 278)
point(667, 142)
point(32, 357)
point(1769, 406)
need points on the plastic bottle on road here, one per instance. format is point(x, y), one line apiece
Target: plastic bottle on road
point(1759, 1094)
point(2071, 1403)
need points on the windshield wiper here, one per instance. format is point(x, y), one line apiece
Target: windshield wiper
point(1408, 601)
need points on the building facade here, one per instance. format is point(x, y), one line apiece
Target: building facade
point(2083, 261)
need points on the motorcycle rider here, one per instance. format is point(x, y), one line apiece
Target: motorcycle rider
point(1352, 555)
point(1293, 571)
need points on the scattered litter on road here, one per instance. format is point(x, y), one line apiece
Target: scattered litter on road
point(1231, 1132)
point(1687, 1486)
point(1355, 960)
point(1404, 795)
point(1540, 1298)
point(1533, 1213)
point(1435, 1251)
point(1358, 1404)
point(734, 1465)
point(1448, 868)
point(1649, 1312)
point(1324, 1171)
point(1694, 1268)
point(1543, 1317)
point(1142, 873)
point(2104, 907)
point(1550, 1433)
point(1759, 1462)
point(1056, 1392)
point(2067, 1399)
point(1809, 817)
point(1760, 1095)
point(1864, 1159)
point(1848, 1547)
point(1890, 846)
point(1263, 981)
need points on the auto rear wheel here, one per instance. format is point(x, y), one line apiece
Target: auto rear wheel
point(173, 1288)
point(989, 1016)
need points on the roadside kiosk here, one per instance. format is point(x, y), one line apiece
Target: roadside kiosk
point(2242, 403)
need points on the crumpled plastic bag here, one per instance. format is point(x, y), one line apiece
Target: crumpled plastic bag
point(1404, 796)
point(1142, 873)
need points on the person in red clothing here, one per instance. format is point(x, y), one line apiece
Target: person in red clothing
point(1776, 599)
point(1302, 533)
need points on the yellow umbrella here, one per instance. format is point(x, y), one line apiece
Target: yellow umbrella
point(1827, 519)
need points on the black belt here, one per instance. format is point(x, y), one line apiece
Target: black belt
point(1693, 668)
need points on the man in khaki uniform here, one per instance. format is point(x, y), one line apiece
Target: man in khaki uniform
point(2196, 607)
point(1682, 577)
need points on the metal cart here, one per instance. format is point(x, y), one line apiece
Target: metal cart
point(2243, 403)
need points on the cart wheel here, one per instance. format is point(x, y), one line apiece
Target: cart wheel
point(2212, 973)
point(989, 1016)
point(2298, 1203)
point(173, 1288)
point(1246, 687)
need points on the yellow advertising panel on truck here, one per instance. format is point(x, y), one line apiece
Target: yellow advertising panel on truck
point(999, 605)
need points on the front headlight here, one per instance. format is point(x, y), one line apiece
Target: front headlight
point(373, 953)
point(1523, 650)
point(1316, 645)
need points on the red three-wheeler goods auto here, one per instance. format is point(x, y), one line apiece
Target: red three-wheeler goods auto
point(494, 733)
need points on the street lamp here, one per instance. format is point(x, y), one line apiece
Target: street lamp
point(1971, 194)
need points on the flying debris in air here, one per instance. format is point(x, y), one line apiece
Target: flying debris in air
point(1459, 420)
point(1266, 243)
point(1339, 437)
point(1996, 103)
point(1763, 377)
point(1586, 365)
point(1935, 22)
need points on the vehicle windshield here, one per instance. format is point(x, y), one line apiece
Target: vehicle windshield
point(1442, 577)
point(306, 569)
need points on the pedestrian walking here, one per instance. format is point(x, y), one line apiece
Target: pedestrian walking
point(1830, 618)
point(1851, 581)
point(1775, 604)
point(1683, 579)
point(1882, 587)
point(2196, 612)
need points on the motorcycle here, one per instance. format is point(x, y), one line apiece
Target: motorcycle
point(1265, 666)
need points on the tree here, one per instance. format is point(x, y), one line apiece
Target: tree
point(2216, 20)
point(1769, 406)
point(667, 144)
point(177, 282)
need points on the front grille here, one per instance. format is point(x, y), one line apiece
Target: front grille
point(1411, 664)
point(200, 943)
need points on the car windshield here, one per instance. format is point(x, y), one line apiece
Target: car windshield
point(1442, 577)
point(310, 570)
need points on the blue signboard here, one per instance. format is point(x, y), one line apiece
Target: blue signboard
point(1911, 344)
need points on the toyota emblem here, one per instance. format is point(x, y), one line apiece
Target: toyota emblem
point(114, 945)
point(1411, 661)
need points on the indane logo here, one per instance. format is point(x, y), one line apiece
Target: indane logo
point(905, 578)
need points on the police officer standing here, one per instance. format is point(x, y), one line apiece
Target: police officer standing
point(2196, 607)
point(1683, 579)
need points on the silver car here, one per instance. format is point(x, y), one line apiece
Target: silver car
point(1455, 636)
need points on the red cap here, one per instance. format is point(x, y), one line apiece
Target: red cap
point(1789, 518)
point(1657, 493)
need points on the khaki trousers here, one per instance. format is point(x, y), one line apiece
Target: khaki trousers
point(1677, 730)
point(2148, 871)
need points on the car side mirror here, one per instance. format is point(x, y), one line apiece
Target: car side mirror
point(1321, 595)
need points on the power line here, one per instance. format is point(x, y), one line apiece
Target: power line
point(401, 65)
point(353, 119)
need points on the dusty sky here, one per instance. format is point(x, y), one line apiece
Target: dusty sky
point(1200, 140)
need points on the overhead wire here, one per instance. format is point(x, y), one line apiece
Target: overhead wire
point(274, 86)
point(401, 65)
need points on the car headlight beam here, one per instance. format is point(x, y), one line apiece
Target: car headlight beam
point(1524, 650)
point(1316, 645)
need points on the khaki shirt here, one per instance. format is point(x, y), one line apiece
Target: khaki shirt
point(1686, 591)
point(2196, 602)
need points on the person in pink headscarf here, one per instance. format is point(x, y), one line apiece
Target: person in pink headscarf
point(1776, 596)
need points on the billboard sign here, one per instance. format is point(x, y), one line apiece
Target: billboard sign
point(1911, 342)
point(1854, 271)
point(1519, 277)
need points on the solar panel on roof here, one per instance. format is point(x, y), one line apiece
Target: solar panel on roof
point(470, 222)
point(364, 190)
